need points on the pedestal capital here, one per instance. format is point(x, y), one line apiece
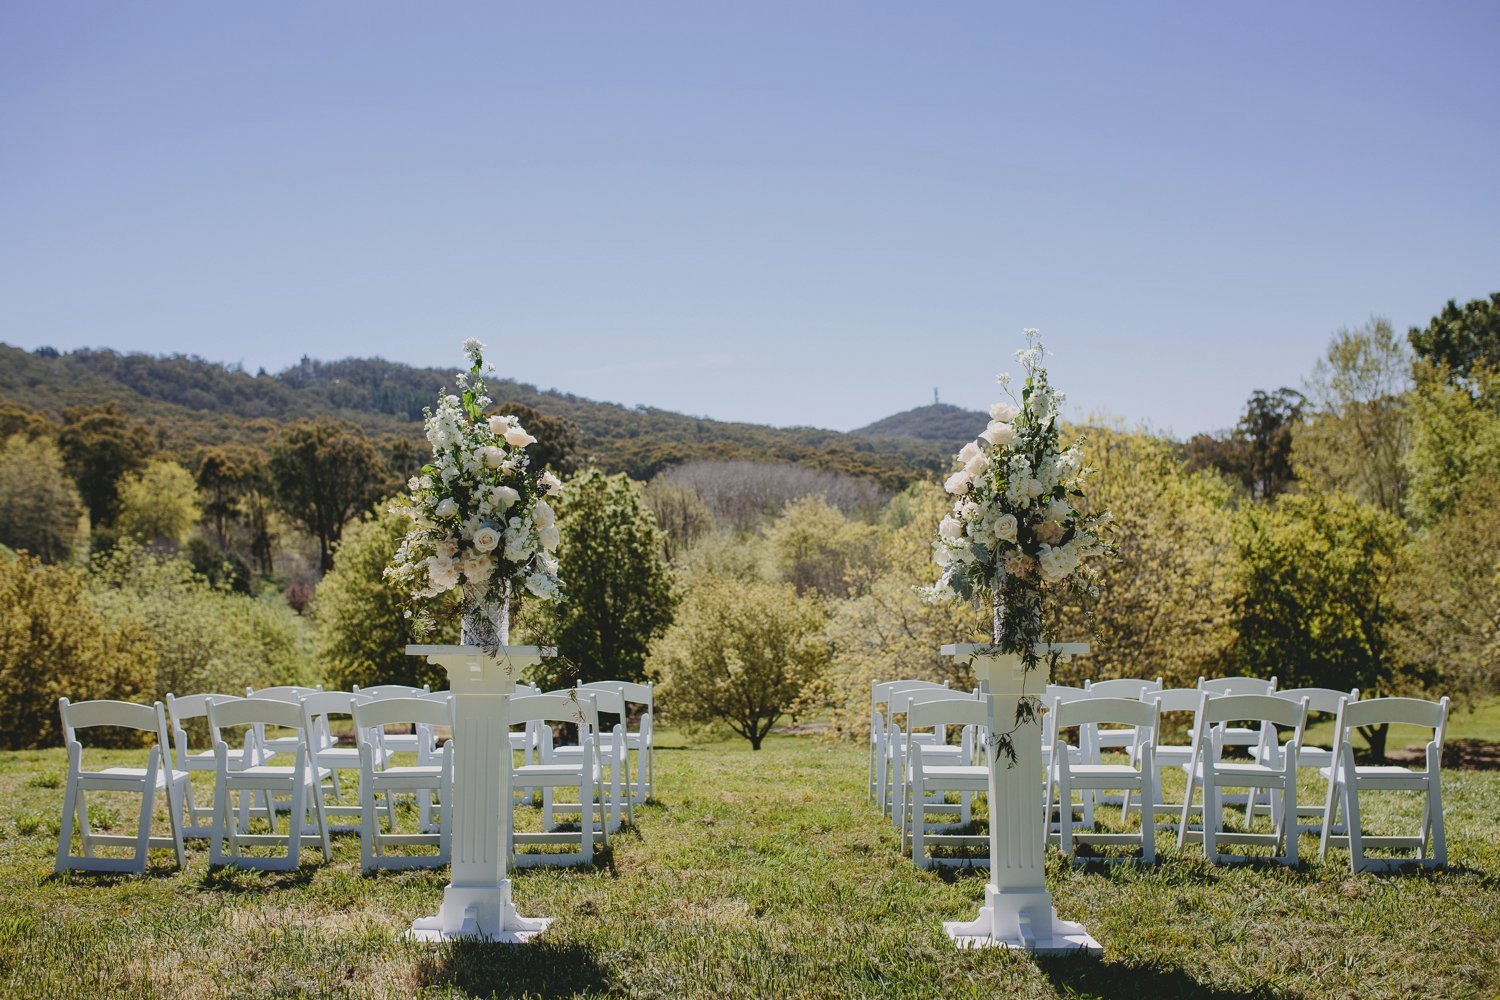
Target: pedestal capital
point(471, 669)
point(1005, 673)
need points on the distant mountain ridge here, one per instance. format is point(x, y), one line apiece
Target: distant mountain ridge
point(940, 422)
point(193, 404)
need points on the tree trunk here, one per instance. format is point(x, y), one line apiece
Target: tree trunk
point(755, 742)
point(1375, 736)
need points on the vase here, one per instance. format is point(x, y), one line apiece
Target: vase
point(486, 621)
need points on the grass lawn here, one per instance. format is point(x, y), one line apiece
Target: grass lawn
point(756, 874)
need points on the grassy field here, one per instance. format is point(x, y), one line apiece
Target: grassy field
point(753, 875)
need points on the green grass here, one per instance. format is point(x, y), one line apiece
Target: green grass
point(754, 875)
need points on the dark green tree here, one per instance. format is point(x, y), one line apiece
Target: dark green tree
point(1458, 338)
point(618, 585)
point(1265, 432)
point(556, 446)
point(221, 480)
point(99, 445)
point(324, 472)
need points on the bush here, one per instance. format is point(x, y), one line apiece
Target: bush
point(54, 643)
point(206, 638)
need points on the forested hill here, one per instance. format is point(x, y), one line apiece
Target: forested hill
point(940, 422)
point(191, 403)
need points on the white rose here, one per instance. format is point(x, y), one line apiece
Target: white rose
point(486, 539)
point(499, 425)
point(550, 483)
point(957, 483)
point(447, 550)
point(492, 456)
point(1003, 412)
point(1005, 527)
point(442, 573)
point(999, 434)
point(519, 548)
point(1058, 510)
point(542, 515)
point(478, 567)
point(969, 451)
point(446, 507)
point(951, 527)
point(548, 562)
point(541, 585)
point(504, 497)
point(548, 537)
point(977, 466)
point(516, 436)
point(942, 555)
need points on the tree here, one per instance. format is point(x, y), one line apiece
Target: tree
point(55, 643)
point(17, 418)
point(362, 632)
point(39, 507)
point(99, 445)
point(618, 586)
point(221, 479)
point(818, 550)
point(680, 513)
point(1266, 433)
point(158, 503)
point(323, 472)
point(741, 654)
point(1455, 439)
point(1459, 339)
point(1357, 437)
point(1318, 601)
point(556, 446)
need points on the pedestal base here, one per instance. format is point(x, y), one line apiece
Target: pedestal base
point(1023, 920)
point(478, 911)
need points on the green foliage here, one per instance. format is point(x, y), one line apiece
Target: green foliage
point(739, 654)
point(206, 639)
point(617, 583)
point(100, 444)
point(1319, 587)
point(1455, 440)
point(362, 628)
point(39, 508)
point(1165, 601)
point(1459, 340)
point(680, 513)
point(158, 503)
point(556, 445)
point(1359, 429)
point(55, 643)
point(818, 550)
point(18, 418)
point(949, 425)
point(323, 473)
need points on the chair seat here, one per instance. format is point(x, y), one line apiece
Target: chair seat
point(1386, 775)
point(1166, 755)
point(550, 773)
point(204, 759)
point(951, 772)
point(1231, 771)
point(347, 758)
point(126, 777)
point(418, 775)
point(270, 772)
point(1114, 771)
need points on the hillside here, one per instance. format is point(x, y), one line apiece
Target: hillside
point(192, 403)
point(939, 422)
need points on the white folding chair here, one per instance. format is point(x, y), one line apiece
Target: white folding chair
point(300, 781)
point(1138, 777)
point(186, 709)
point(642, 739)
point(584, 773)
point(938, 747)
point(880, 692)
point(613, 753)
point(1173, 756)
point(430, 777)
point(1238, 736)
point(326, 754)
point(1052, 696)
point(1348, 779)
point(396, 742)
point(1107, 738)
point(930, 774)
point(1327, 701)
point(1213, 773)
point(155, 778)
point(291, 694)
point(890, 735)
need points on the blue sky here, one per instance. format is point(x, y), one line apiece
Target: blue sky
point(791, 213)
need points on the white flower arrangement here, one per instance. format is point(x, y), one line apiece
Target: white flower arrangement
point(480, 519)
point(1018, 524)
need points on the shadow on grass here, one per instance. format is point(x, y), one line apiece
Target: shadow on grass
point(1089, 976)
point(542, 968)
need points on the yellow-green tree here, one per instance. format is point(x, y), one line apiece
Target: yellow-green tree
point(158, 503)
point(739, 654)
point(40, 510)
point(816, 549)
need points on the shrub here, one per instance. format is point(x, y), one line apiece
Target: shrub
point(55, 643)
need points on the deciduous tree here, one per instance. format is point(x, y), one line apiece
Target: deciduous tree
point(323, 473)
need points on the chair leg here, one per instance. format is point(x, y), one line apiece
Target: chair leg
point(175, 792)
point(295, 820)
point(1147, 809)
point(918, 821)
point(368, 821)
point(1287, 827)
point(216, 827)
point(85, 832)
point(143, 828)
point(1187, 803)
point(1065, 809)
point(65, 831)
point(586, 816)
point(1211, 820)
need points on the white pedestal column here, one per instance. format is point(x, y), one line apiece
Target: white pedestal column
point(1018, 910)
point(477, 902)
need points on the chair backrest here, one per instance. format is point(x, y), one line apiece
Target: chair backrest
point(607, 701)
point(553, 708)
point(1175, 699)
point(902, 701)
point(1319, 699)
point(254, 712)
point(1055, 693)
point(1121, 687)
point(289, 693)
point(113, 714)
point(1262, 708)
point(333, 702)
point(1108, 711)
point(1237, 685)
point(1396, 711)
point(192, 706)
point(527, 689)
point(392, 690)
point(881, 691)
point(934, 712)
point(381, 712)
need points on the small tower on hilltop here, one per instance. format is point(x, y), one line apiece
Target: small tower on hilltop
point(934, 396)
